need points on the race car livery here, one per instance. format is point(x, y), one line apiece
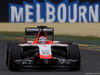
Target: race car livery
point(42, 52)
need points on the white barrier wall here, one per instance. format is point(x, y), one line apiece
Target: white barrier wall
point(76, 29)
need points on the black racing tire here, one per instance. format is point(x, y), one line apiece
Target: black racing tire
point(66, 42)
point(8, 50)
point(7, 53)
point(74, 53)
point(14, 54)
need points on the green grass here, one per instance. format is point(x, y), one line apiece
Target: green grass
point(60, 36)
point(11, 33)
point(79, 37)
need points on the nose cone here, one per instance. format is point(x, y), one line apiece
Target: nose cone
point(45, 56)
point(45, 51)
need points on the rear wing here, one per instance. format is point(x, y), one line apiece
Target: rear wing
point(34, 31)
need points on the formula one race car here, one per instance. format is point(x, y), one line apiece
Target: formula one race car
point(42, 53)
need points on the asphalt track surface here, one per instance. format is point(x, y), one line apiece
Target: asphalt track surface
point(90, 65)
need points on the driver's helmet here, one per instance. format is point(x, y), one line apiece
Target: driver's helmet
point(42, 40)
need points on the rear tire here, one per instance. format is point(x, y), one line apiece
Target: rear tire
point(74, 54)
point(66, 42)
point(14, 54)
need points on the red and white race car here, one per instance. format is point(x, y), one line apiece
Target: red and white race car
point(42, 52)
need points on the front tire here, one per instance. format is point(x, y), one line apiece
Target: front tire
point(74, 54)
point(7, 53)
point(15, 53)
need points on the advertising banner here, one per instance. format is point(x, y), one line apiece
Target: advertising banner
point(40, 11)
